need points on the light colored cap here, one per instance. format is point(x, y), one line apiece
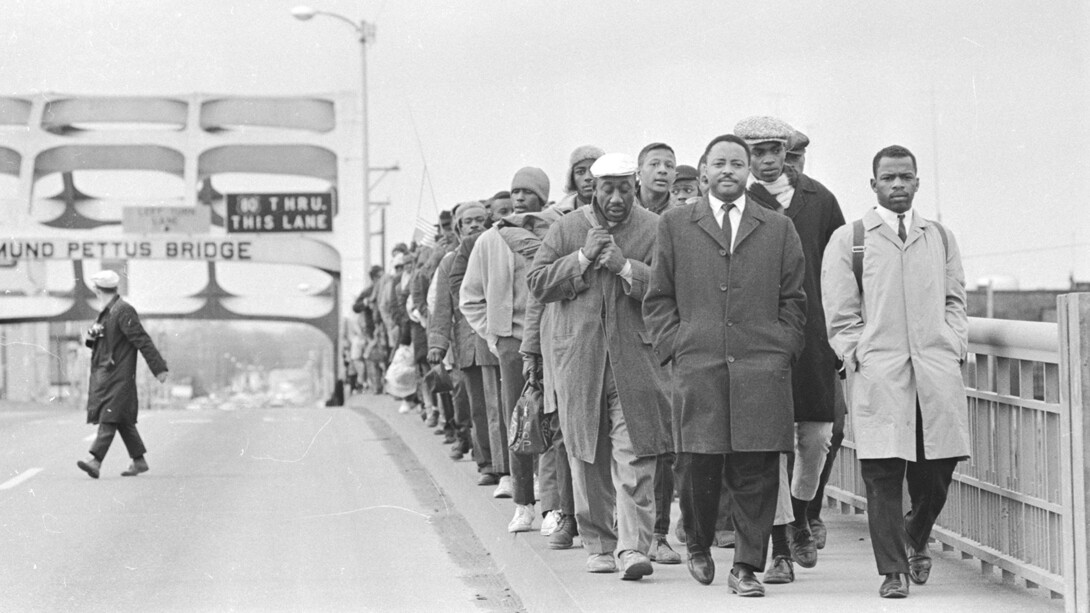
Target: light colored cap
point(759, 129)
point(614, 165)
point(105, 279)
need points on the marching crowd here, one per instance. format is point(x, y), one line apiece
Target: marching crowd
point(690, 331)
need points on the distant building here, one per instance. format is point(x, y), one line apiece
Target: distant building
point(1024, 305)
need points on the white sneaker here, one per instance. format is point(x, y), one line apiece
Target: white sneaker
point(405, 407)
point(504, 489)
point(549, 522)
point(523, 521)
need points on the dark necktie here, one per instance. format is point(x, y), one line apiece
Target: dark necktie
point(727, 232)
point(901, 227)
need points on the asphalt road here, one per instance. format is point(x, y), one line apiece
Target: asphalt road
point(291, 509)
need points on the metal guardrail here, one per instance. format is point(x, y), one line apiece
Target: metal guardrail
point(1019, 503)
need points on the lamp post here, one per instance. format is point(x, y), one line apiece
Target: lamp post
point(366, 33)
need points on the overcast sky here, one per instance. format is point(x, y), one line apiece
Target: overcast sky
point(991, 96)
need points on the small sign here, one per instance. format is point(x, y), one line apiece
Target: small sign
point(311, 212)
point(166, 219)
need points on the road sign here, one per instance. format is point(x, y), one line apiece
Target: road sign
point(166, 219)
point(303, 212)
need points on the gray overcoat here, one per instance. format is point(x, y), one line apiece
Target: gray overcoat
point(731, 323)
point(594, 314)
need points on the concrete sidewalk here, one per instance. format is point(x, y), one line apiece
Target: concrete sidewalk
point(845, 578)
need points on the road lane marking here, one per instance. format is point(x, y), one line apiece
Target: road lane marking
point(89, 437)
point(10, 483)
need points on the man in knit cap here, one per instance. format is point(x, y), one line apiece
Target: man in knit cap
point(489, 431)
point(815, 214)
point(494, 301)
point(657, 169)
point(580, 183)
point(449, 330)
point(592, 272)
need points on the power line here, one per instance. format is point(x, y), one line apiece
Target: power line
point(1030, 250)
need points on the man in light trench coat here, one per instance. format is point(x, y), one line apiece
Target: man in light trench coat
point(591, 273)
point(902, 340)
point(726, 305)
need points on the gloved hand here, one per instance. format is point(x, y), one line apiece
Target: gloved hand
point(532, 367)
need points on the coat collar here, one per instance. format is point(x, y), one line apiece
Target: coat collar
point(872, 220)
point(752, 216)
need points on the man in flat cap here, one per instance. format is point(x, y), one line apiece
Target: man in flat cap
point(815, 214)
point(726, 306)
point(794, 163)
point(112, 404)
point(657, 168)
point(494, 299)
point(592, 272)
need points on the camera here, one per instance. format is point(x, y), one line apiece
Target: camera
point(95, 331)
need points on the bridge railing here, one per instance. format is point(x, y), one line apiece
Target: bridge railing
point(1020, 503)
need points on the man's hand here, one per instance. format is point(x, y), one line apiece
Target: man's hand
point(435, 355)
point(612, 258)
point(492, 346)
point(162, 377)
point(532, 367)
point(597, 239)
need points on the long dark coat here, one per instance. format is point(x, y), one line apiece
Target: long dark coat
point(595, 314)
point(482, 355)
point(111, 395)
point(816, 214)
point(732, 324)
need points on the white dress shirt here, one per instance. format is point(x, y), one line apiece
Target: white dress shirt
point(890, 218)
point(735, 216)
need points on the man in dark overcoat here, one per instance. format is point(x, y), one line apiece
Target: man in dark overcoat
point(727, 307)
point(591, 271)
point(815, 214)
point(114, 339)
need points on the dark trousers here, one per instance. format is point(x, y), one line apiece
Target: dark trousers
point(753, 481)
point(664, 492)
point(928, 482)
point(512, 381)
point(460, 420)
point(554, 471)
point(478, 416)
point(133, 443)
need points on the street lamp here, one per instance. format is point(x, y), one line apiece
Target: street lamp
point(366, 33)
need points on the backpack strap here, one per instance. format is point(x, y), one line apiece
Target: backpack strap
point(858, 248)
point(945, 240)
point(857, 253)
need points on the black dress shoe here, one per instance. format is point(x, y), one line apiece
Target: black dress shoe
point(743, 582)
point(701, 566)
point(894, 586)
point(802, 545)
point(919, 565)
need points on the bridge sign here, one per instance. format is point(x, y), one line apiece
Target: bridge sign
point(302, 212)
point(166, 219)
